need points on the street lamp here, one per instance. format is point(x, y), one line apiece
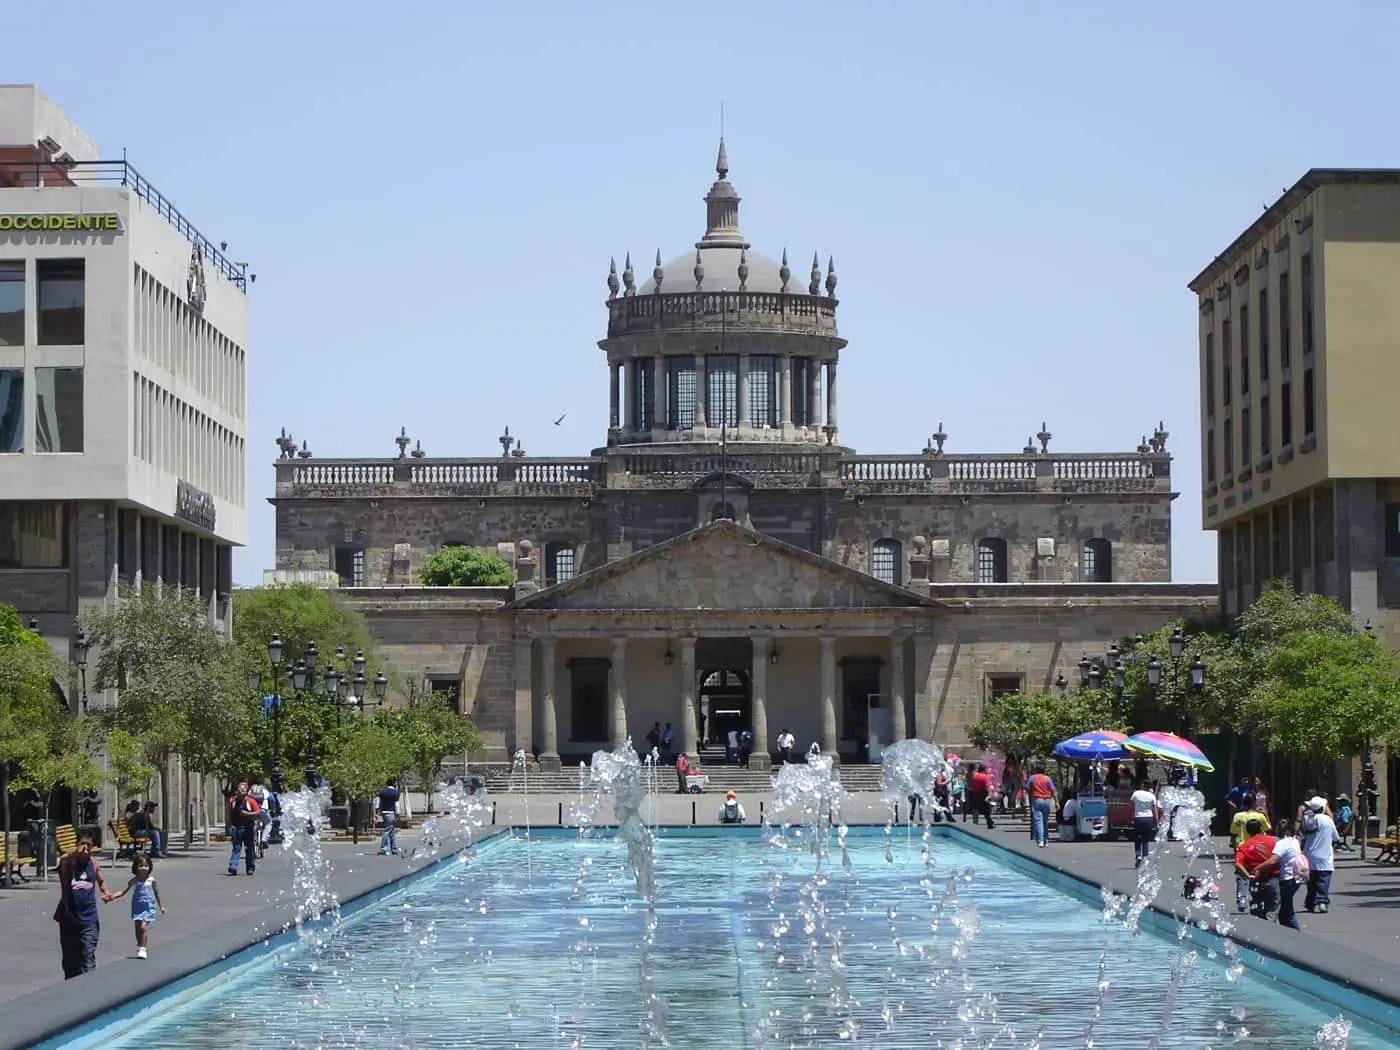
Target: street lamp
point(1176, 644)
point(80, 659)
point(275, 650)
point(33, 625)
point(1176, 651)
point(1084, 668)
point(1061, 684)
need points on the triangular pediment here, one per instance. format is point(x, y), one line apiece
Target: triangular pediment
point(721, 566)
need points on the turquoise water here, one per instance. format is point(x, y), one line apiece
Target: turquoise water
point(536, 944)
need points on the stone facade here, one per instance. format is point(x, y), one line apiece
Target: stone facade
point(725, 552)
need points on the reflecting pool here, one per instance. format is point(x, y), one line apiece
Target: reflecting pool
point(752, 948)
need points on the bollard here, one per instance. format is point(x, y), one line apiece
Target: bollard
point(493, 813)
point(692, 812)
point(760, 811)
point(561, 814)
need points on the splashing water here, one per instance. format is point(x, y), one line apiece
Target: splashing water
point(909, 773)
point(311, 871)
point(521, 763)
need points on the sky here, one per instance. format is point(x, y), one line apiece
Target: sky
point(1015, 195)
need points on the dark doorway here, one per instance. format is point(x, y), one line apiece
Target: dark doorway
point(860, 680)
point(725, 695)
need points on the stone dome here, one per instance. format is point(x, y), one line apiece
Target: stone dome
point(721, 267)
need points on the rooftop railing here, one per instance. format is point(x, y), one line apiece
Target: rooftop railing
point(31, 174)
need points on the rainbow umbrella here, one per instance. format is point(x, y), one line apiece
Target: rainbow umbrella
point(1097, 746)
point(1170, 748)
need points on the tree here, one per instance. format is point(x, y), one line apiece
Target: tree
point(127, 768)
point(1030, 725)
point(68, 758)
point(431, 730)
point(27, 701)
point(364, 754)
point(465, 567)
point(1174, 702)
point(183, 686)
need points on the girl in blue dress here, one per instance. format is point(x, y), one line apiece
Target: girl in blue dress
point(145, 901)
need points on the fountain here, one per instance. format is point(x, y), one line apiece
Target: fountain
point(521, 762)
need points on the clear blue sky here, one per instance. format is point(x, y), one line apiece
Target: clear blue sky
point(1015, 194)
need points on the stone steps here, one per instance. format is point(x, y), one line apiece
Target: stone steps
point(722, 778)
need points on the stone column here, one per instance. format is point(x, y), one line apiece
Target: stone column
point(524, 697)
point(690, 723)
point(742, 392)
point(619, 692)
point(702, 388)
point(830, 742)
point(898, 725)
point(549, 756)
point(925, 688)
point(831, 393)
point(629, 375)
point(761, 757)
point(814, 393)
point(615, 395)
point(658, 393)
point(785, 392)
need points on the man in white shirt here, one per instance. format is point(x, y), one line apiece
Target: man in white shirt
point(1319, 835)
point(786, 742)
point(1146, 815)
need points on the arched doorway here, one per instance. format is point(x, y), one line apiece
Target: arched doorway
point(726, 703)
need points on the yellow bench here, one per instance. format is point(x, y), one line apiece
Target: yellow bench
point(126, 844)
point(1387, 849)
point(66, 837)
point(11, 862)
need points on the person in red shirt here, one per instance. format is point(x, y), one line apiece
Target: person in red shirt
point(1042, 792)
point(978, 785)
point(1261, 896)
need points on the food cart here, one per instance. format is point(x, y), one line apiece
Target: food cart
point(1093, 806)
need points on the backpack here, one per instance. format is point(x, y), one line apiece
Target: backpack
point(1308, 824)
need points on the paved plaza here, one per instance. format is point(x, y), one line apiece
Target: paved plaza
point(212, 915)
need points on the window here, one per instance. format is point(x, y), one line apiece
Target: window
point(1097, 562)
point(1392, 530)
point(12, 303)
point(588, 699)
point(559, 564)
point(722, 393)
point(11, 410)
point(680, 393)
point(1229, 448)
point(1285, 322)
point(999, 685)
point(1265, 426)
point(1244, 348)
point(1309, 404)
point(1210, 373)
point(61, 302)
point(350, 565)
point(643, 388)
point(58, 409)
point(1305, 288)
point(1263, 335)
point(33, 535)
point(1246, 438)
point(722, 512)
point(884, 561)
point(763, 390)
point(991, 560)
point(1226, 366)
point(801, 390)
point(1210, 457)
point(1285, 414)
point(451, 688)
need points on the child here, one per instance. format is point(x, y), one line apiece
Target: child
point(145, 899)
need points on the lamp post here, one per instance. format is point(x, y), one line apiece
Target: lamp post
point(1195, 670)
point(80, 660)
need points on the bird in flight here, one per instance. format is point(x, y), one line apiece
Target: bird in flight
point(560, 419)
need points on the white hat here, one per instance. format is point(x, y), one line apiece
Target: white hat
point(1317, 803)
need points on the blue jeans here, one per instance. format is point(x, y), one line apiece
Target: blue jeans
point(1040, 819)
point(158, 843)
point(1319, 887)
point(389, 842)
point(1286, 915)
point(1144, 833)
point(78, 941)
point(245, 841)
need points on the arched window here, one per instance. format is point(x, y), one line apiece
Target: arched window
point(1096, 562)
point(559, 563)
point(884, 561)
point(722, 512)
point(991, 560)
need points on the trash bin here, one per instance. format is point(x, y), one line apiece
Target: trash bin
point(362, 813)
point(39, 843)
point(339, 817)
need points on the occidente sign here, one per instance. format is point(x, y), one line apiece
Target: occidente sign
point(98, 222)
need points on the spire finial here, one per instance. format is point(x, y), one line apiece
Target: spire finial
point(784, 273)
point(814, 286)
point(722, 208)
point(831, 277)
point(722, 161)
point(613, 285)
point(743, 269)
point(699, 271)
point(629, 279)
point(657, 273)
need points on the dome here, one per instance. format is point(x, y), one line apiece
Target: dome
point(721, 266)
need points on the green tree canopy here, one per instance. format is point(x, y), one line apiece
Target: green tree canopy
point(363, 754)
point(27, 702)
point(299, 614)
point(431, 730)
point(465, 567)
point(1030, 725)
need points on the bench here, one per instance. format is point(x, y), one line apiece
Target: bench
point(65, 836)
point(126, 844)
point(1387, 849)
point(11, 862)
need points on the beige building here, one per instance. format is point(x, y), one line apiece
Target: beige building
point(1299, 363)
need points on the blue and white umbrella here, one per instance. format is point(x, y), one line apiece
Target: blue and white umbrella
point(1101, 745)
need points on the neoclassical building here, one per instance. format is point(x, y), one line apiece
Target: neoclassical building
point(724, 561)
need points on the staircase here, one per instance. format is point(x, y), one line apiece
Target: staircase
point(501, 780)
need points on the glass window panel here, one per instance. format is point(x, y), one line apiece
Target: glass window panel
point(801, 385)
point(61, 302)
point(763, 390)
point(11, 410)
point(12, 303)
point(680, 393)
point(884, 561)
point(722, 398)
point(58, 409)
point(33, 535)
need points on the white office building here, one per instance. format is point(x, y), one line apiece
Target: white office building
point(123, 380)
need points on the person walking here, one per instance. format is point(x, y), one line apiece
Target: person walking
point(145, 901)
point(1042, 793)
point(80, 884)
point(389, 815)
point(1320, 836)
point(1147, 814)
point(1290, 865)
point(978, 789)
point(243, 821)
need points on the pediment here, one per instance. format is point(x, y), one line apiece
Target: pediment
point(721, 566)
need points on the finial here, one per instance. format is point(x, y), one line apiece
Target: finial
point(657, 273)
point(784, 274)
point(722, 161)
point(939, 438)
point(1044, 437)
point(743, 269)
point(402, 441)
point(418, 452)
point(519, 451)
point(305, 452)
point(814, 286)
point(629, 279)
point(1029, 450)
point(699, 270)
point(287, 444)
point(506, 441)
point(831, 277)
point(1159, 439)
point(613, 285)
point(1143, 447)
